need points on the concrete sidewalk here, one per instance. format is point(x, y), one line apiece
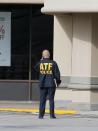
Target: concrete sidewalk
point(19, 104)
point(10, 121)
point(32, 107)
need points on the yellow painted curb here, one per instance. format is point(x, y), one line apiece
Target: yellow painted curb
point(57, 111)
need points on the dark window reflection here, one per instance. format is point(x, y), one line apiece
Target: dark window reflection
point(42, 38)
point(19, 43)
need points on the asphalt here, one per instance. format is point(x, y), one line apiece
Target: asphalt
point(10, 121)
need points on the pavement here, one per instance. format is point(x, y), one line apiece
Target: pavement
point(32, 107)
point(10, 121)
point(23, 116)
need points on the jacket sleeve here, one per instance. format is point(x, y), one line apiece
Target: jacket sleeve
point(36, 67)
point(57, 73)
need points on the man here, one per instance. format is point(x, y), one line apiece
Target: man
point(49, 77)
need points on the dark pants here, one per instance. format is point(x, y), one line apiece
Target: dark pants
point(50, 92)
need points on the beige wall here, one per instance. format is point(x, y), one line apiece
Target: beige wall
point(72, 44)
point(85, 45)
point(74, 96)
point(77, 96)
point(82, 41)
point(22, 1)
point(76, 52)
point(94, 97)
point(94, 57)
point(65, 6)
point(63, 42)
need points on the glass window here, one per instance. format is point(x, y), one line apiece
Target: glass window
point(42, 37)
point(19, 43)
point(31, 32)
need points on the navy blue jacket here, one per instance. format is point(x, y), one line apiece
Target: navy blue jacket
point(49, 74)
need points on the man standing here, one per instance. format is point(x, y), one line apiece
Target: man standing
point(49, 77)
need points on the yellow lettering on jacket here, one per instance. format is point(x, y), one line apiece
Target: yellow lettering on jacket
point(41, 66)
point(50, 66)
point(46, 68)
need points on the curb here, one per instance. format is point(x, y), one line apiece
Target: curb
point(57, 111)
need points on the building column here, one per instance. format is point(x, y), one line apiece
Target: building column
point(76, 52)
point(84, 76)
point(63, 45)
point(81, 51)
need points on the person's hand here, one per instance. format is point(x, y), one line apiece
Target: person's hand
point(58, 82)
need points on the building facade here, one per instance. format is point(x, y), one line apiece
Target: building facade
point(74, 46)
point(24, 33)
point(75, 49)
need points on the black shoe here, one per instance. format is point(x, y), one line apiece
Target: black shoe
point(53, 117)
point(40, 117)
